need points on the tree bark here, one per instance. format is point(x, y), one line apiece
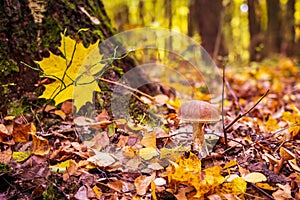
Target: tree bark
point(273, 36)
point(255, 31)
point(208, 18)
point(288, 28)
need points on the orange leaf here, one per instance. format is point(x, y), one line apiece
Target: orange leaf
point(142, 183)
point(21, 132)
point(149, 140)
point(40, 145)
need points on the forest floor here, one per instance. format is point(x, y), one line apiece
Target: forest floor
point(44, 155)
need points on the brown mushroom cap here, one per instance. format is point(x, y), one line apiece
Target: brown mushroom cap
point(198, 111)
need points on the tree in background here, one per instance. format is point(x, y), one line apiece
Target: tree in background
point(273, 37)
point(288, 29)
point(206, 17)
point(256, 35)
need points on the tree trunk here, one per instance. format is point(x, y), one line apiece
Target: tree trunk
point(273, 34)
point(288, 28)
point(209, 16)
point(255, 31)
point(31, 27)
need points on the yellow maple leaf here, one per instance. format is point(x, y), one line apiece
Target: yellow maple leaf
point(188, 171)
point(76, 67)
point(236, 186)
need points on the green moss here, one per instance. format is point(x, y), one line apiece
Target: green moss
point(53, 28)
point(4, 168)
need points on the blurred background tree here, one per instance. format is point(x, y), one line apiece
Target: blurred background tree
point(240, 30)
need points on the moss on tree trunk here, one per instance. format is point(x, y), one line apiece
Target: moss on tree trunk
point(31, 28)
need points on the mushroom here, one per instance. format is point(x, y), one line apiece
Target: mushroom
point(285, 155)
point(198, 113)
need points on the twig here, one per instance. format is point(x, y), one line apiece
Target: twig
point(223, 94)
point(59, 189)
point(262, 191)
point(129, 88)
point(248, 111)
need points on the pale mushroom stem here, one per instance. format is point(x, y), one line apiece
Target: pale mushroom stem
point(199, 144)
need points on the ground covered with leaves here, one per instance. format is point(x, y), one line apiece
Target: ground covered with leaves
point(51, 157)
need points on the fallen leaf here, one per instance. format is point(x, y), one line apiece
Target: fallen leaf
point(20, 156)
point(97, 191)
point(61, 114)
point(3, 130)
point(283, 193)
point(235, 186)
point(128, 152)
point(99, 141)
point(160, 181)
point(155, 166)
point(142, 183)
point(67, 107)
point(265, 186)
point(5, 156)
point(82, 193)
point(40, 145)
point(148, 153)
point(149, 140)
point(60, 167)
point(101, 159)
point(21, 132)
point(255, 177)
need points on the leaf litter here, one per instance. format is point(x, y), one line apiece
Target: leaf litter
point(261, 160)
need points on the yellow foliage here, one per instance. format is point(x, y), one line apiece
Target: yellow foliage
point(188, 171)
point(236, 186)
point(76, 67)
point(294, 121)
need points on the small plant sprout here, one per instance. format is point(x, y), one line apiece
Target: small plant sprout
point(198, 113)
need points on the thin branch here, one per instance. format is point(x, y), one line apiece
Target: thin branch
point(248, 111)
point(223, 96)
point(127, 87)
point(262, 191)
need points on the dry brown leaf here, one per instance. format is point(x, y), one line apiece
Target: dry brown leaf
point(82, 193)
point(48, 108)
point(255, 177)
point(128, 152)
point(5, 156)
point(99, 141)
point(71, 169)
point(115, 185)
point(182, 192)
point(3, 130)
point(40, 145)
point(67, 107)
point(142, 183)
point(21, 132)
point(149, 140)
point(101, 159)
point(61, 114)
point(283, 193)
point(103, 116)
